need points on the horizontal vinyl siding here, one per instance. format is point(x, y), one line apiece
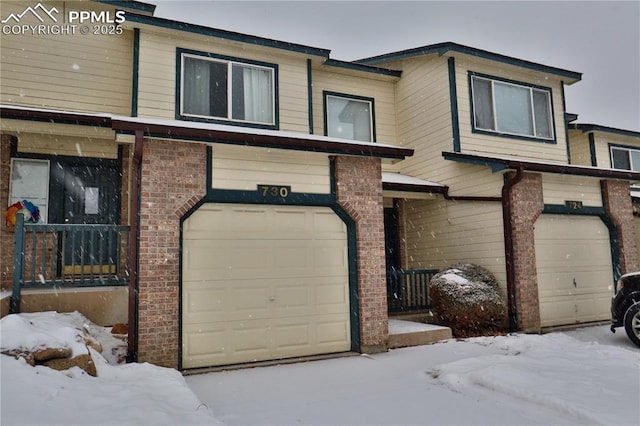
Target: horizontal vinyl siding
point(579, 148)
point(329, 79)
point(74, 72)
point(557, 189)
point(243, 168)
point(157, 75)
point(489, 144)
point(424, 124)
point(440, 233)
point(602, 142)
point(67, 145)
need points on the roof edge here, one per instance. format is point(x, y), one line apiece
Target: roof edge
point(585, 128)
point(442, 48)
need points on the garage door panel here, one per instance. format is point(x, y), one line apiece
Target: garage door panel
point(574, 269)
point(275, 289)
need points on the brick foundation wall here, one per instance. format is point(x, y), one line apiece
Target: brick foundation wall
point(6, 231)
point(173, 180)
point(359, 192)
point(619, 208)
point(526, 206)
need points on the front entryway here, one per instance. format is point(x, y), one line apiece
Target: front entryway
point(262, 282)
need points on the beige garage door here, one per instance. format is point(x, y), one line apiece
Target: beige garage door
point(575, 272)
point(263, 282)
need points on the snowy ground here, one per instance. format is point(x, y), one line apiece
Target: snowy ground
point(587, 376)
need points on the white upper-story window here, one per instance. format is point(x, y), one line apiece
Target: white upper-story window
point(349, 117)
point(510, 108)
point(223, 89)
point(625, 158)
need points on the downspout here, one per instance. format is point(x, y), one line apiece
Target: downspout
point(134, 246)
point(508, 248)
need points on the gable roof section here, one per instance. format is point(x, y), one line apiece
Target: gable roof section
point(224, 34)
point(499, 163)
point(446, 47)
point(585, 128)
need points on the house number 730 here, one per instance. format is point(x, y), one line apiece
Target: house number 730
point(274, 191)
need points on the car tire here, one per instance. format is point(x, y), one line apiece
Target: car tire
point(632, 323)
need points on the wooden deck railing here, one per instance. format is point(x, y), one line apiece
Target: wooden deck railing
point(62, 255)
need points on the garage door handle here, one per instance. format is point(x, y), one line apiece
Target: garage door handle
point(272, 299)
point(574, 282)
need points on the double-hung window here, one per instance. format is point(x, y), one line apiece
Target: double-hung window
point(511, 108)
point(625, 158)
point(225, 89)
point(349, 117)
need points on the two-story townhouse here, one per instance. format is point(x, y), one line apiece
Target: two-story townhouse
point(492, 130)
point(232, 195)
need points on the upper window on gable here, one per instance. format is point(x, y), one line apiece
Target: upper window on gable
point(349, 117)
point(213, 88)
point(625, 158)
point(511, 109)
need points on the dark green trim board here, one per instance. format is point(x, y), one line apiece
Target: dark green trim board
point(221, 120)
point(453, 99)
point(592, 149)
point(310, 95)
point(135, 76)
point(596, 128)
point(442, 48)
point(228, 35)
point(565, 210)
point(361, 67)
point(564, 122)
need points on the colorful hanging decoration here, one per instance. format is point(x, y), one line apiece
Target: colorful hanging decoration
point(28, 209)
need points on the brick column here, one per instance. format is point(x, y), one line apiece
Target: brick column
point(173, 180)
point(359, 192)
point(526, 206)
point(619, 208)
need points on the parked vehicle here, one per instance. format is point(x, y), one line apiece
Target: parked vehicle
point(625, 306)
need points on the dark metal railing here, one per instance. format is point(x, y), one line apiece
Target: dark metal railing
point(408, 290)
point(63, 255)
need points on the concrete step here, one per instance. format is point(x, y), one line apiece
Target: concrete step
point(404, 333)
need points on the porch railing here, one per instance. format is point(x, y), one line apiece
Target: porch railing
point(64, 255)
point(408, 290)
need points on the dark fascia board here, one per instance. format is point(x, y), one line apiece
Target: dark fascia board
point(228, 35)
point(362, 67)
point(133, 5)
point(407, 187)
point(18, 113)
point(500, 164)
point(443, 48)
point(585, 128)
point(261, 140)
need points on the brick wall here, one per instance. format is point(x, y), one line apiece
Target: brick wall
point(359, 192)
point(6, 231)
point(526, 206)
point(619, 207)
point(173, 180)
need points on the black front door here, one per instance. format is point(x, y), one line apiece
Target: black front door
point(86, 194)
point(391, 241)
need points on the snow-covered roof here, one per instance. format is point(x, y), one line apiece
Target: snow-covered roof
point(397, 181)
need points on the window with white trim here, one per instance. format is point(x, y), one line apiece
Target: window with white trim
point(213, 88)
point(511, 109)
point(30, 181)
point(349, 117)
point(625, 158)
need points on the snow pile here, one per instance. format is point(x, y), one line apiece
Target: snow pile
point(588, 382)
point(132, 394)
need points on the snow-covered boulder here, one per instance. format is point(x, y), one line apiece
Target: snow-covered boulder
point(467, 298)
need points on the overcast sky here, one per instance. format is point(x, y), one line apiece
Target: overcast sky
point(600, 39)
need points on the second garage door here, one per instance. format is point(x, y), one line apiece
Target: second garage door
point(575, 271)
point(263, 282)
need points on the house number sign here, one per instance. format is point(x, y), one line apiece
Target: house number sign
point(274, 191)
point(573, 205)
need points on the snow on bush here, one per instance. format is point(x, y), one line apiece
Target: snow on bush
point(467, 298)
